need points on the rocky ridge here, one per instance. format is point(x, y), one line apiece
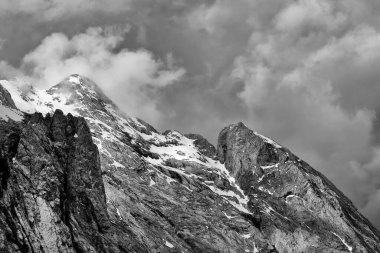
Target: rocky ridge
point(99, 181)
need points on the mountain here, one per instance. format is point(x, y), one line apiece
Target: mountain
point(78, 175)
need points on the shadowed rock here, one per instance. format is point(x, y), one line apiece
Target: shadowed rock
point(204, 146)
point(53, 190)
point(6, 98)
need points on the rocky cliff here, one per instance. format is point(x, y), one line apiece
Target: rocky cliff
point(77, 175)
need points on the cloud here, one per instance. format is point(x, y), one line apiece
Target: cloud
point(372, 209)
point(371, 172)
point(305, 16)
point(53, 9)
point(129, 77)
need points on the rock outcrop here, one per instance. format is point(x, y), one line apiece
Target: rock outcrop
point(35, 191)
point(52, 192)
point(304, 203)
point(87, 178)
point(204, 146)
point(6, 98)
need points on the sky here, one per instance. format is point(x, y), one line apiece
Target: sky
point(305, 73)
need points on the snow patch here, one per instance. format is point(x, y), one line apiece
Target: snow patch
point(270, 166)
point(267, 140)
point(265, 190)
point(151, 183)
point(344, 242)
point(239, 207)
point(185, 151)
point(75, 79)
point(255, 249)
point(154, 161)
point(290, 197)
point(101, 149)
point(242, 201)
point(247, 236)
point(117, 165)
point(33, 100)
point(118, 214)
point(226, 193)
point(261, 178)
point(169, 245)
point(169, 180)
point(229, 217)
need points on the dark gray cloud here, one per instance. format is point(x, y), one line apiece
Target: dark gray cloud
point(303, 72)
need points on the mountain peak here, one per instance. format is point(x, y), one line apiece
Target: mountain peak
point(240, 127)
point(81, 86)
point(73, 94)
point(75, 79)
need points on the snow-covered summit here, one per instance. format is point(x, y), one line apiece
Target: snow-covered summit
point(75, 79)
point(114, 133)
point(80, 96)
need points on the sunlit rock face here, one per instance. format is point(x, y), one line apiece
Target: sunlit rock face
point(78, 175)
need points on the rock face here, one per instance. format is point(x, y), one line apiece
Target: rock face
point(304, 203)
point(53, 196)
point(203, 145)
point(6, 99)
point(87, 178)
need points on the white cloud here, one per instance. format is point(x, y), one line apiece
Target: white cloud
point(305, 15)
point(53, 9)
point(129, 77)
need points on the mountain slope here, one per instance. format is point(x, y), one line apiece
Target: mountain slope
point(164, 192)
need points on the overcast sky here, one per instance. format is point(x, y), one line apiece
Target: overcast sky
point(305, 73)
